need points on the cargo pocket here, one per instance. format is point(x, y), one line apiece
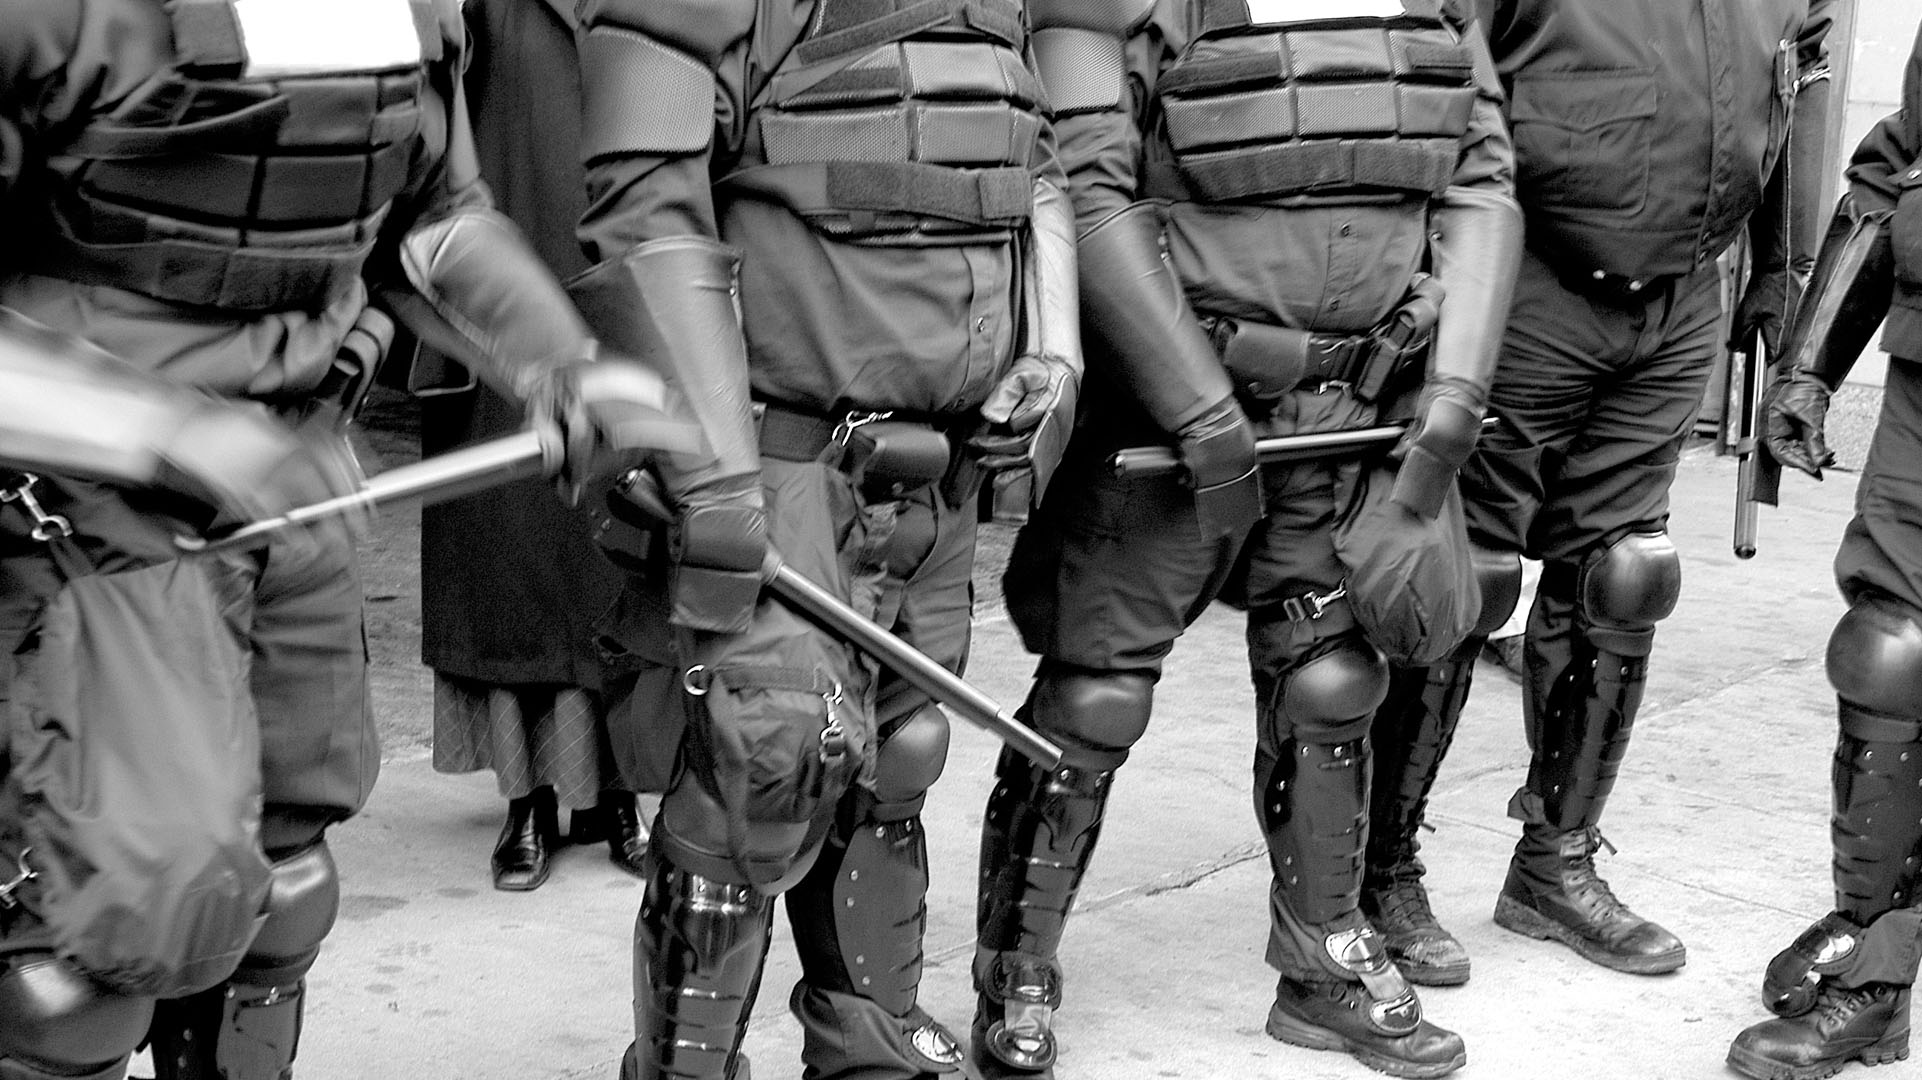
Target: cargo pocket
point(1582, 139)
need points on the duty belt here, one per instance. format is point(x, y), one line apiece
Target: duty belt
point(1267, 362)
point(885, 454)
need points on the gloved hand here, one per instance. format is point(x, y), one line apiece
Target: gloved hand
point(1218, 447)
point(605, 416)
point(247, 466)
point(1794, 408)
point(1448, 416)
point(1031, 413)
point(1763, 307)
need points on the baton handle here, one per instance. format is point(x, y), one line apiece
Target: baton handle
point(1165, 460)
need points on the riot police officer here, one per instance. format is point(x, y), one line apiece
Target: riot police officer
point(840, 227)
point(1841, 989)
point(1644, 138)
point(1269, 199)
point(193, 200)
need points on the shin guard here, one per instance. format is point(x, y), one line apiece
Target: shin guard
point(699, 947)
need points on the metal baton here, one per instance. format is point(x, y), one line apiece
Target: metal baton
point(1274, 450)
point(521, 456)
point(834, 615)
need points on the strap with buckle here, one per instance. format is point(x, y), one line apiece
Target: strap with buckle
point(1311, 605)
point(24, 875)
point(46, 527)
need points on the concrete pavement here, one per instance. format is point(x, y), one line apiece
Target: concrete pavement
point(1720, 818)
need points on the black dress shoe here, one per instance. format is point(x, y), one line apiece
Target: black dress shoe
point(523, 855)
point(626, 836)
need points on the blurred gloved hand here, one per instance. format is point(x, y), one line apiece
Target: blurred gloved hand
point(605, 416)
point(238, 459)
point(1795, 409)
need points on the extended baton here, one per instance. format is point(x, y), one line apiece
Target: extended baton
point(524, 456)
point(1748, 368)
point(1163, 460)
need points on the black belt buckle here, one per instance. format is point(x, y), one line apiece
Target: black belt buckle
point(1335, 361)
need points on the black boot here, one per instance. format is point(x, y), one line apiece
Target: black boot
point(1339, 990)
point(1410, 735)
point(1553, 893)
point(1584, 687)
point(699, 947)
point(620, 826)
point(523, 854)
point(1869, 1024)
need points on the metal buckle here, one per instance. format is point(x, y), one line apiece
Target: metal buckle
point(1310, 605)
point(853, 421)
point(26, 874)
point(45, 526)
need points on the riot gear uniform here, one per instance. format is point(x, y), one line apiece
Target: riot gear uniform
point(845, 225)
point(1841, 989)
point(203, 192)
point(1612, 333)
point(1268, 203)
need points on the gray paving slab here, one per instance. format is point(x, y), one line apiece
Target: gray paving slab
point(1720, 821)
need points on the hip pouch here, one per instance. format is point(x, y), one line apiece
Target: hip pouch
point(773, 745)
point(130, 815)
point(1411, 580)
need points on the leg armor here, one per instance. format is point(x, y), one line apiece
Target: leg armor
point(1589, 640)
point(1410, 735)
point(247, 1027)
point(58, 1024)
point(699, 946)
point(1875, 664)
point(1037, 839)
point(1338, 988)
point(859, 917)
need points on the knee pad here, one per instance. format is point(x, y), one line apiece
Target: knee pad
point(908, 763)
point(1875, 662)
point(1332, 696)
point(1625, 588)
point(1499, 573)
point(302, 903)
point(1098, 714)
point(56, 1018)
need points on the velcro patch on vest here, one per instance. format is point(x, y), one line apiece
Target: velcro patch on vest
point(1266, 12)
point(302, 37)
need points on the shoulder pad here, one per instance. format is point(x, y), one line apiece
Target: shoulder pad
point(1112, 16)
point(702, 28)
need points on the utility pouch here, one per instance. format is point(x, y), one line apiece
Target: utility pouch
point(772, 745)
point(888, 458)
point(1266, 362)
point(130, 811)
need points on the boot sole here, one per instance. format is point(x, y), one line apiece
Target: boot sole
point(1298, 1032)
point(1522, 919)
point(1749, 1063)
point(1432, 974)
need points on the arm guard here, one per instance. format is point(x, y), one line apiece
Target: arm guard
point(1476, 251)
point(1847, 296)
point(673, 303)
point(1152, 344)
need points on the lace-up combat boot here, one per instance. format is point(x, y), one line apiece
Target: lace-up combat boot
point(1869, 1024)
point(1554, 893)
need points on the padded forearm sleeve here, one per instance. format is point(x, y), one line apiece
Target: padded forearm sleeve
point(1148, 337)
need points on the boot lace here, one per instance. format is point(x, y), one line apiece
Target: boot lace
point(1586, 883)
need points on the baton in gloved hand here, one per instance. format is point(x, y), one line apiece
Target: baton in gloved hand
point(835, 616)
point(1164, 460)
point(523, 456)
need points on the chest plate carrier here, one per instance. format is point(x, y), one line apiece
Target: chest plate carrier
point(1336, 106)
point(899, 121)
point(254, 175)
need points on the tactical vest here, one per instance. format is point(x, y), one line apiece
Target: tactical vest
point(899, 121)
point(242, 185)
point(1339, 106)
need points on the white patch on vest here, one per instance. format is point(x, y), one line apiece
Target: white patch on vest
point(326, 37)
point(1272, 12)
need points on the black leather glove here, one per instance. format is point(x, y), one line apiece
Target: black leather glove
point(1795, 408)
point(606, 416)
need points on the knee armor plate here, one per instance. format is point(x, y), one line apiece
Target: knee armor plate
point(1331, 697)
point(52, 1013)
point(1875, 661)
